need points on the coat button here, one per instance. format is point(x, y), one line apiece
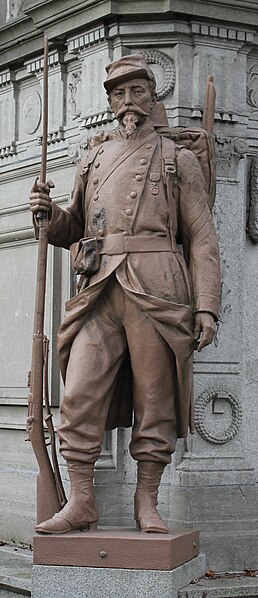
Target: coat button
point(95, 181)
point(95, 197)
point(101, 150)
point(143, 161)
point(100, 232)
point(138, 177)
point(97, 214)
point(133, 194)
point(148, 146)
point(97, 164)
point(129, 212)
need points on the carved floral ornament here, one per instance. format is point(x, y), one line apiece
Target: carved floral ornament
point(215, 396)
point(168, 79)
point(229, 150)
point(252, 225)
point(252, 86)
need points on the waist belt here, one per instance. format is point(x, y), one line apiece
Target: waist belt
point(117, 244)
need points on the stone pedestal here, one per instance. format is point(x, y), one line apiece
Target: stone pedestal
point(95, 582)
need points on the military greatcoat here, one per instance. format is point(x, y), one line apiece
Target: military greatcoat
point(121, 198)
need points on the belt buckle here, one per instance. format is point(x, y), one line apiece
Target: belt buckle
point(115, 244)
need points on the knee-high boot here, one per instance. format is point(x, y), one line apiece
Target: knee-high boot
point(81, 511)
point(146, 497)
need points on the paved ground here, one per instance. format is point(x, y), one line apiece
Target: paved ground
point(15, 571)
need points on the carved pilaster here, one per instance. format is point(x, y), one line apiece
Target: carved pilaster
point(94, 107)
point(56, 84)
point(7, 112)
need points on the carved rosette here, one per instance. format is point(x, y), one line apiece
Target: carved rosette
point(252, 225)
point(201, 405)
point(167, 65)
point(229, 151)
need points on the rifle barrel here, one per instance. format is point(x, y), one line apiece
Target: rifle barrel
point(45, 113)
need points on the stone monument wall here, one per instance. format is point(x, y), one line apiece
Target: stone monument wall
point(212, 483)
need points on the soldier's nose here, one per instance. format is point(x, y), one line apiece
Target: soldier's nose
point(128, 99)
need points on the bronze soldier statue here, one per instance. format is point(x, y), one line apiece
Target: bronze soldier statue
point(129, 332)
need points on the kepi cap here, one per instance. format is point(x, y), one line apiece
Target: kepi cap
point(132, 66)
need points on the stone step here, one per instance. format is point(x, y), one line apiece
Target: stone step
point(230, 585)
point(15, 572)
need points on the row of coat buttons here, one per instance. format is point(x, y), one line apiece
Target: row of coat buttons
point(128, 211)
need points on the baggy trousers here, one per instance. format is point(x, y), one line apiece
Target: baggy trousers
point(115, 325)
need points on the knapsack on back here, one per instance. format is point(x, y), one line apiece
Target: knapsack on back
point(202, 145)
point(198, 140)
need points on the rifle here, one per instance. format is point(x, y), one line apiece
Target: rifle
point(50, 492)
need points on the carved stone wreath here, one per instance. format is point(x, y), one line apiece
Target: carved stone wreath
point(169, 70)
point(235, 425)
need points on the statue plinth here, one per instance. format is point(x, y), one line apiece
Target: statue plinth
point(117, 548)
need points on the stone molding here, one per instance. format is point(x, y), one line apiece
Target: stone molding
point(220, 115)
point(84, 40)
point(5, 78)
point(98, 119)
point(37, 65)
point(8, 150)
point(53, 137)
point(214, 395)
point(221, 32)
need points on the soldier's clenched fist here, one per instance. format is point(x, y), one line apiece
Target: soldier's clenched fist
point(40, 200)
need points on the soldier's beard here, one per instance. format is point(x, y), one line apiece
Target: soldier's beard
point(130, 122)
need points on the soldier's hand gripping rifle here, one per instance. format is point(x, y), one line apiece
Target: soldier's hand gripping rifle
point(50, 493)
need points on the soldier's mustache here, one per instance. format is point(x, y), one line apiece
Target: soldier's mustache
point(122, 111)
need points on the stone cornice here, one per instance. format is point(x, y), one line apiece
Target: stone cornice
point(61, 19)
point(46, 13)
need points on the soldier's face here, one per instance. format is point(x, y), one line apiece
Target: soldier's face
point(132, 96)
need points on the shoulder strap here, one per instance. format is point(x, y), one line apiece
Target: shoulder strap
point(169, 171)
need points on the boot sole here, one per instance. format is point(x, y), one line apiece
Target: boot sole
point(83, 526)
point(151, 529)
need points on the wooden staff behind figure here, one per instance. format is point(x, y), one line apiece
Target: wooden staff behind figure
point(50, 493)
